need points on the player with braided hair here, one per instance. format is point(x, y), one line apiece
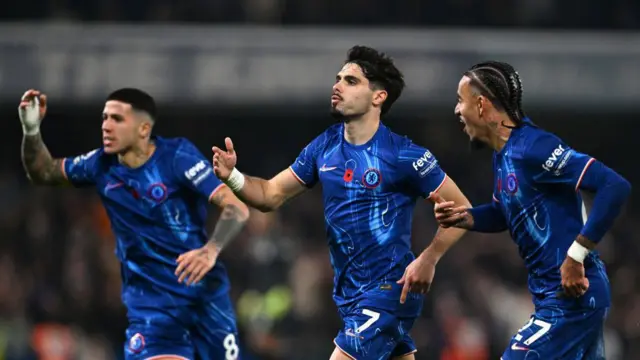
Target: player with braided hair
point(539, 193)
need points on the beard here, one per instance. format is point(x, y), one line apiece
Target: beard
point(336, 114)
point(341, 117)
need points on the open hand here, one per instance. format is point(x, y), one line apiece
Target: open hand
point(195, 264)
point(417, 277)
point(224, 161)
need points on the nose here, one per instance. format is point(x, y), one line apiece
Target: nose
point(106, 125)
point(337, 88)
point(456, 111)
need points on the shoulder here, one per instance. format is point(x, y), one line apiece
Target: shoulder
point(413, 157)
point(531, 142)
point(544, 144)
point(408, 150)
point(176, 145)
point(179, 150)
point(331, 135)
point(93, 163)
point(326, 139)
point(96, 156)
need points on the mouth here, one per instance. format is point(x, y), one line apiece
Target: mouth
point(463, 124)
point(107, 141)
point(335, 99)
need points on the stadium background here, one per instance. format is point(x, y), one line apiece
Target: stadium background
point(260, 71)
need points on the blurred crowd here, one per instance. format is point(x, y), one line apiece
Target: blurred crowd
point(59, 294)
point(611, 14)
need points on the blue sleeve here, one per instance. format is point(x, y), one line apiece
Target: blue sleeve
point(194, 171)
point(421, 169)
point(305, 168)
point(554, 162)
point(82, 170)
point(558, 163)
point(611, 192)
point(488, 218)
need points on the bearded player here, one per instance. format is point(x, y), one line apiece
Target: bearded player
point(371, 179)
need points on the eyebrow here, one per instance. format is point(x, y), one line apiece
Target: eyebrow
point(347, 77)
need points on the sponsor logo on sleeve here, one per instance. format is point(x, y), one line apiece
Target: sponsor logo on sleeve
point(198, 172)
point(424, 164)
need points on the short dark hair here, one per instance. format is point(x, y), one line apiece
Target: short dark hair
point(138, 99)
point(380, 70)
point(501, 83)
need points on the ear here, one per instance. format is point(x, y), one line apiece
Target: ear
point(379, 96)
point(482, 105)
point(145, 129)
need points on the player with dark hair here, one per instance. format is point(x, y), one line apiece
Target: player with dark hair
point(371, 178)
point(155, 191)
point(539, 193)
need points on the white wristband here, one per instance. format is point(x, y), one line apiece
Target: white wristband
point(235, 181)
point(30, 132)
point(577, 252)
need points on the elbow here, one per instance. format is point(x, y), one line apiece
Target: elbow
point(243, 212)
point(36, 179)
point(622, 187)
point(272, 202)
point(626, 187)
point(267, 208)
point(625, 190)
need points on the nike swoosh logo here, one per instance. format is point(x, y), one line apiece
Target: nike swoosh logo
point(325, 168)
point(517, 347)
point(111, 186)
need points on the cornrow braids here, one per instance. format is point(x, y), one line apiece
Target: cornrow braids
point(501, 83)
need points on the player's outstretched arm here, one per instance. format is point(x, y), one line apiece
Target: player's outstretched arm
point(40, 166)
point(446, 237)
point(418, 276)
point(264, 195)
point(486, 218)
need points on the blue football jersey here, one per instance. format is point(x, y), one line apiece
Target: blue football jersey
point(537, 185)
point(157, 212)
point(369, 192)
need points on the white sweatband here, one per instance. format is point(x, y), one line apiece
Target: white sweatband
point(578, 252)
point(235, 181)
point(30, 132)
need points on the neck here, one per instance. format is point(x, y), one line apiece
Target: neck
point(359, 131)
point(501, 131)
point(138, 155)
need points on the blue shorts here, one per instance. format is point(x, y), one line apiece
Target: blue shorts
point(207, 331)
point(553, 333)
point(371, 333)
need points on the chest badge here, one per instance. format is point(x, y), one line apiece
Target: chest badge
point(157, 192)
point(512, 183)
point(371, 178)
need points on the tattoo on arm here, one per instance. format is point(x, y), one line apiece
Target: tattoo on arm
point(231, 221)
point(41, 168)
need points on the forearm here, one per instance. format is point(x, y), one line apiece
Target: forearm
point(255, 193)
point(231, 221)
point(611, 192)
point(444, 239)
point(40, 166)
point(487, 218)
